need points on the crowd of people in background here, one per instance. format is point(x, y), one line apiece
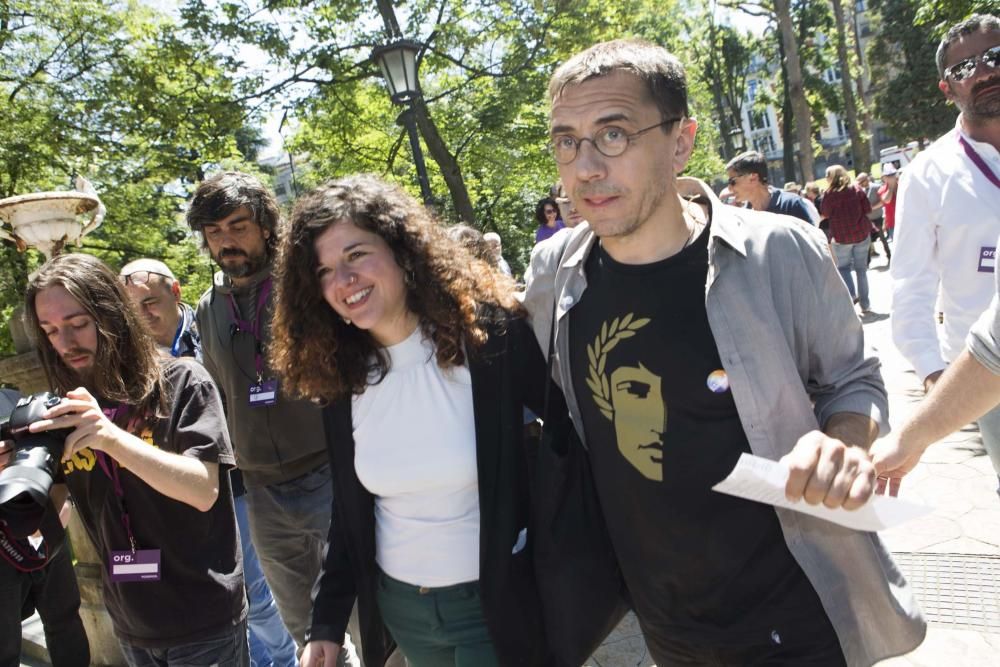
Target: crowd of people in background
point(324, 460)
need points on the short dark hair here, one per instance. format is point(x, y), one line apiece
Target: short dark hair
point(126, 364)
point(660, 70)
point(975, 23)
point(750, 162)
point(223, 194)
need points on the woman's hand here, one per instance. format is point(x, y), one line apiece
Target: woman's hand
point(320, 654)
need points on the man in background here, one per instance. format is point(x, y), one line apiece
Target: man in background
point(948, 216)
point(748, 182)
point(280, 442)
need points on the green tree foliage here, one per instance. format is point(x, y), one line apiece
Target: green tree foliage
point(483, 73)
point(904, 73)
point(813, 29)
point(720, 57)
point(114, 92)
point(939, 15)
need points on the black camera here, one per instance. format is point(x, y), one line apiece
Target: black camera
point(34, 465)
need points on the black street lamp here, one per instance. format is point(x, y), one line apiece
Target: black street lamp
point(737, 138)
point(398, 62)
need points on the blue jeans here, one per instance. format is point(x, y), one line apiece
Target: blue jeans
point(228, 649)
point(270, 643)
point(854, 256)
point(289, 525)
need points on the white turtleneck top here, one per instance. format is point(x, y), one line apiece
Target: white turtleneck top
point(415, 451)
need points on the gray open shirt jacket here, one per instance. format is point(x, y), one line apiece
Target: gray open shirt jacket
point(794, 351)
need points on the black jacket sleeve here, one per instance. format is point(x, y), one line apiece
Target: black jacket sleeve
point(335, 591)
point(532, 367)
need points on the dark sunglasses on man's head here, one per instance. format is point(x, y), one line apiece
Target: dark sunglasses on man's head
point(963, 69)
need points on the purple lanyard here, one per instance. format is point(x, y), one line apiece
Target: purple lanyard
point(979, 162)
point(110, 468)
point(253, 328)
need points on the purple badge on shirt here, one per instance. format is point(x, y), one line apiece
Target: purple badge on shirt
point(140, 565)
point(987, 259)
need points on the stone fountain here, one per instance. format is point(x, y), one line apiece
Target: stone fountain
point(47, 221)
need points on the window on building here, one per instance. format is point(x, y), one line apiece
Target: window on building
point(759, 120)
point(764, 144)
point(841, 128)
point(832, 75)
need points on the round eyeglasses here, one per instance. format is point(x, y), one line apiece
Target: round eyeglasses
point(963, 69)
point(610, 141)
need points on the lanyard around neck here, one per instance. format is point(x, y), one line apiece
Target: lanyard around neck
point(979, 162)
point(254, 327)
point(111, 470)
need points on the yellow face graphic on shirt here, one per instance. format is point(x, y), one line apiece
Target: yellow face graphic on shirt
point(631, 397)
point(84, 460)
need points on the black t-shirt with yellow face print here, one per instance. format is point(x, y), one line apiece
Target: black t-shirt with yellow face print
point(662, 429)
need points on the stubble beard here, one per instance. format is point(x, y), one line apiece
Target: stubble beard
point(983, 110)
point(250, 265)
point(626, 226)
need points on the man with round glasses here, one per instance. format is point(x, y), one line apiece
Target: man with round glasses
point(685, 333)
point(948, 215)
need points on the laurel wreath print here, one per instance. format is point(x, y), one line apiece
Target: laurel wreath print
point(597, 356)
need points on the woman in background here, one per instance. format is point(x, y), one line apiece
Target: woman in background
point(846, 206)
point(547, 216)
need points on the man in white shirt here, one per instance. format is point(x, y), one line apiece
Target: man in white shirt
point(949, 215)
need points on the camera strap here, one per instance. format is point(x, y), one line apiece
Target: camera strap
point(19, 552)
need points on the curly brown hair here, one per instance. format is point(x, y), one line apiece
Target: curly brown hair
point(454, 294)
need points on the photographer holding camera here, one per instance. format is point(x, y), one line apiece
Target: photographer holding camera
point(37, 578)
point(146, 460)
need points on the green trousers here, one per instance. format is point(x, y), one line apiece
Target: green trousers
point(437, 627)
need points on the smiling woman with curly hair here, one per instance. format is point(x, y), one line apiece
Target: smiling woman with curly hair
point(426, 362)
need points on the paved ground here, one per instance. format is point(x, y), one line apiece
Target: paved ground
point(952, 557)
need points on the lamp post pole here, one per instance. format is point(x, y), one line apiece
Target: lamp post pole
point(398, 62)
point(407, 120)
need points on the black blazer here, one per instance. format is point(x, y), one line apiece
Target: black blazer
point(507, 372)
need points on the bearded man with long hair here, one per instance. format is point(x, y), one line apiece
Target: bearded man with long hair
point(146, 464)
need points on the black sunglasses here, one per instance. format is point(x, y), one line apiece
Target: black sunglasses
point(963, 69)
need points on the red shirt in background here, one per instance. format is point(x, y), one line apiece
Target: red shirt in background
point(847, 211)
point(890, 206)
